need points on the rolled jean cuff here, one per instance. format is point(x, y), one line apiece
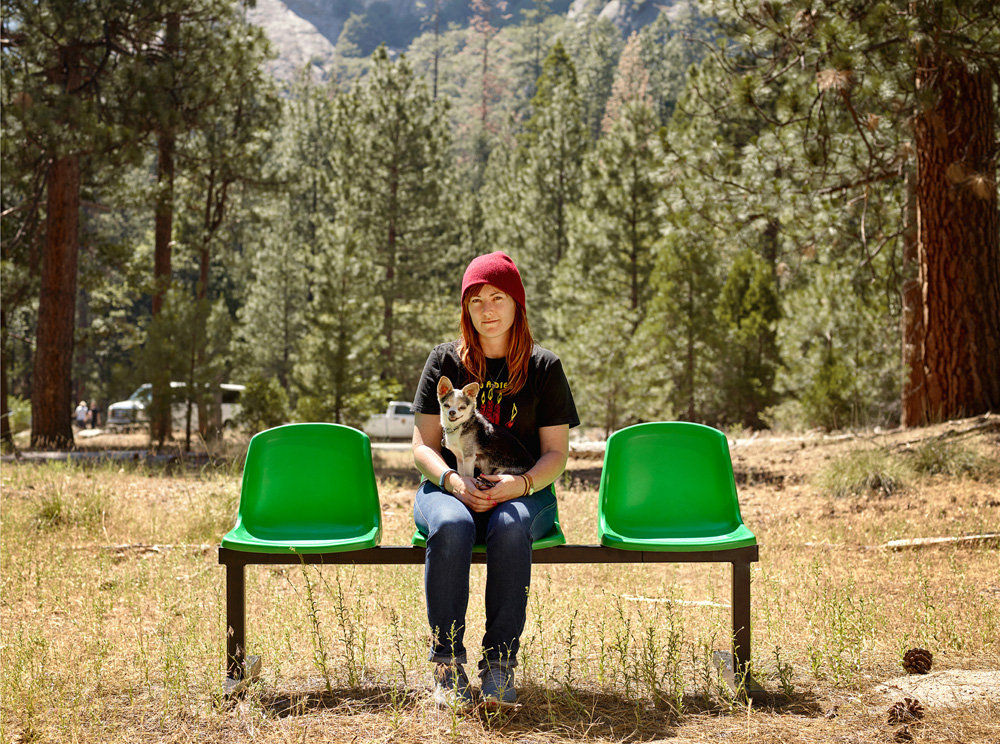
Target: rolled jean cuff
point(447, 658)
point(508, 662)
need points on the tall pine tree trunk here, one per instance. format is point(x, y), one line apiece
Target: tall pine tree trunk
point(956, 358)
point(6, 435)
point(51, 385)
point(912, 310)
point(163, 235)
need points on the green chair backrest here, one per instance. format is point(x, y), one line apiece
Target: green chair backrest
point(309, 482)
point(668, 479)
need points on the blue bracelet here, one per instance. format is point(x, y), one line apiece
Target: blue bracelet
point(443, 476)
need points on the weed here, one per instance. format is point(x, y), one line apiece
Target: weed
point(353, 633)
point(621, 644)
point(319, 646)
point(863, 473)
point(569, 642)
point(56, 508)
point(843, 622)
point(946, 458)
point(397, 644)
point(785, 671)
point(665, 686)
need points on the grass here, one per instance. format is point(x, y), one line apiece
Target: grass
point(112, 613)
point(864, 472)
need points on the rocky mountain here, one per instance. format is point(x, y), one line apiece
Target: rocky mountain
point(304, 31)
point(301, 31)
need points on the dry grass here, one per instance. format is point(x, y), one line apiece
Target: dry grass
point(104, 642)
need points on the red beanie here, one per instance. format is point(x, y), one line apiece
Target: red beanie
point(497, 269)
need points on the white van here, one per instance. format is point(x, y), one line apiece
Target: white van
point(133, 412)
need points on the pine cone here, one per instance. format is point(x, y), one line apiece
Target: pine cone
point(907, 711)
point(917, 661)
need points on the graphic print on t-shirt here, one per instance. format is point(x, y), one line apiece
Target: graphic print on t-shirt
point(491, 395)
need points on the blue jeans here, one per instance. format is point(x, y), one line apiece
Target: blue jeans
point(508, 531)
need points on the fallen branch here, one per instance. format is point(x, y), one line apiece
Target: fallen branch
point(685, 602)
point(991, 539)
point(145, 548)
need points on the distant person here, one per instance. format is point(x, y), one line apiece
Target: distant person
point(81, 414)
point(95, 415)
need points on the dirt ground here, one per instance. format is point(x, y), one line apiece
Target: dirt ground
point(111, 610)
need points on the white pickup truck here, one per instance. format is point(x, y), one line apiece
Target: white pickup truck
point(395, 423)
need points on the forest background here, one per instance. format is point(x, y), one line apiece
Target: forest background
point(775, 214)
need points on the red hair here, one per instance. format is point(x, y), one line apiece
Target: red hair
point(470, 351)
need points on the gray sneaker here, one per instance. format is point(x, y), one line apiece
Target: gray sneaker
point(498, 686)
point(451, 687)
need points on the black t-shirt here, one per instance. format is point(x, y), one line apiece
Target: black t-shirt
point(545, 399)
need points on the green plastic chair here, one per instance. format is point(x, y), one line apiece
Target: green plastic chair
point(550, 539)
point(669, 486)
point(307, 488)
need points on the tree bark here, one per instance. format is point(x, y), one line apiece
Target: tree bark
point(6, 435)
point(51, 400)
point(161, 423)
point(956, 358)
point(912, 312)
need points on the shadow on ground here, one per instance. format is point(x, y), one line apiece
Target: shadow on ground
point(574, 713)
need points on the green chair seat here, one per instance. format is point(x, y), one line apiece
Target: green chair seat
point(550, 539)
point(307, 488)
point(669, 486)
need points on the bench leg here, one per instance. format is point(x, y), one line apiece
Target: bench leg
point(735, 666)
point(741, 618)
point(235, 620)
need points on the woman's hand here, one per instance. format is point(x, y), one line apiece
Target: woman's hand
point(505, 488)
point(464, 489)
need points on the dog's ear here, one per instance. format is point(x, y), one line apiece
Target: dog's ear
point(444, 387)
point(471, 390)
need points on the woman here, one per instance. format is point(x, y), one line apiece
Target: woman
point(523, 388)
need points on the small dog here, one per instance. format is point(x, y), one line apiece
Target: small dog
point(475, 441)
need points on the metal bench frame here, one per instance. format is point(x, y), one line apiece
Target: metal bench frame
point(735, 667)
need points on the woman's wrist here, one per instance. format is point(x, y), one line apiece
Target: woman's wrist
point(443, 480)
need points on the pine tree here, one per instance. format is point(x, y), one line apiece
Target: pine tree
point(681, 328)
point(339, 372)
point(21, 200)
point(218, 160)
point(670, 46)
point(537, 23)
point(838, 346)
point(392, 191)
point(876, 68)
point(624, 186)
point(749, 310)
point(541, 179)
point(595, 47)
point(203, 43)
point(76, 100)
point(285, 240)
point(604, 289)
point(737, 182)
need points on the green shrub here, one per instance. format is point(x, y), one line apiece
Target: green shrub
point(263, 404)
point(20, 414)
point(863, 473)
